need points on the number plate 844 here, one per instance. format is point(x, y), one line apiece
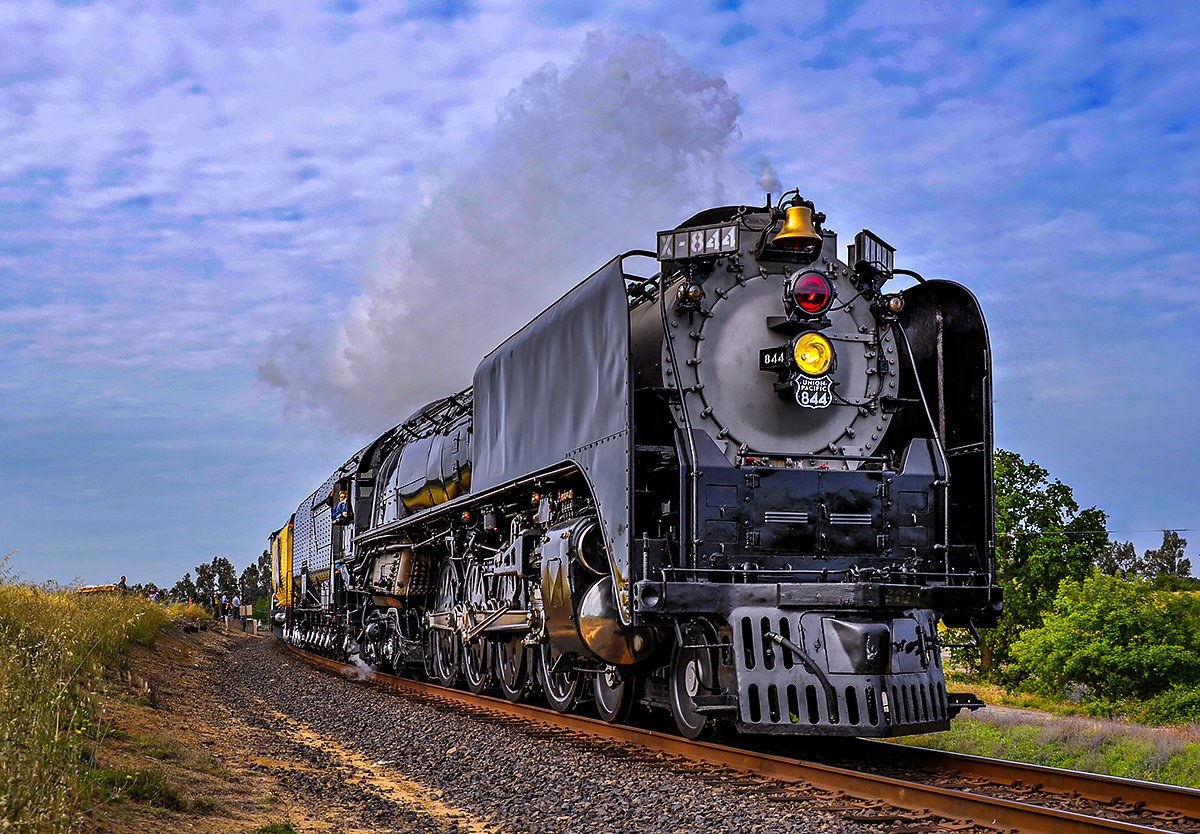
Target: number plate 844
point(814, 392)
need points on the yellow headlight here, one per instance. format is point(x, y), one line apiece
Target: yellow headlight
point(813, 354)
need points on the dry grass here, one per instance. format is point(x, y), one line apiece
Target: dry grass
point(54, 647)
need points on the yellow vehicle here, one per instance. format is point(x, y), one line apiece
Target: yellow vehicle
point(282, 591)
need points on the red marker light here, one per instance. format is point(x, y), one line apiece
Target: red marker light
point(812, 293)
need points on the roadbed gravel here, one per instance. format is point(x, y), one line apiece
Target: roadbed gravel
point(485, 776)
point(247, 734)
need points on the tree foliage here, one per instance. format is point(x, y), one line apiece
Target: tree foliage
point(1165, 566)
point(1120, 638)
point(1043, 538)
point(220, 576)
point(217, 576)
point(1167, 560)
point(249, 582)
point(1119, 559)
point(227, 583)
point(255, 584)
point(185, 589)
point(265, 569)
point(206, 583)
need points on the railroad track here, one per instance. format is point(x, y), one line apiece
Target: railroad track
point(916, 786)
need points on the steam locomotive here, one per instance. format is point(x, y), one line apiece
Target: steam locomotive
point(744, 490)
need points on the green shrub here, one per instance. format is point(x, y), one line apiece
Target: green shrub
point(275, 828)
point(146, 786)
point(1121, 639)
point(160, 746)
point(204, 805)
point(1178, 705)
point(180, 611)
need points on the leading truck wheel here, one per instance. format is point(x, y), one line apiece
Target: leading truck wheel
point(613, 692)
point(445, 644)
point(694, 671)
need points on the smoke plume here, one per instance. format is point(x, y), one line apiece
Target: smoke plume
point(767, 180)
point(585, 161)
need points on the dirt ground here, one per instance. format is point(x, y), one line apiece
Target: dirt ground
point(214, 769)
point(218, 759)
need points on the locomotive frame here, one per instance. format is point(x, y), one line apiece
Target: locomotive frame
point(762, 535)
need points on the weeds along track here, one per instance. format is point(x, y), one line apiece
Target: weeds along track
point(875, 782)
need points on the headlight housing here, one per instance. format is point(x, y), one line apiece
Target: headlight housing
point(813, 354)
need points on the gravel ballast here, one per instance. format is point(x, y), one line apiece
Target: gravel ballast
point(481, 775)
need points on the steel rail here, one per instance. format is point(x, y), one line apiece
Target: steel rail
point(990, 812)
point(1153, 796)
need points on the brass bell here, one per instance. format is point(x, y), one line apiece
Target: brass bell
point(798, 232)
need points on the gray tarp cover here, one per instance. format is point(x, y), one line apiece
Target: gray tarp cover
point(560, 390)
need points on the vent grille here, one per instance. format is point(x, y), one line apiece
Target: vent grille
point(785, 517)
point(849, 518)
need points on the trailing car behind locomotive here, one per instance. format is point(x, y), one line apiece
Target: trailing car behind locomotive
point(745, 490)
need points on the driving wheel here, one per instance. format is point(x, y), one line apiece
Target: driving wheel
point(510, 653)
point(445, 645)
point(477, 652)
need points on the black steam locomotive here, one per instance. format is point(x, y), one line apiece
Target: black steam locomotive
point(744, 490)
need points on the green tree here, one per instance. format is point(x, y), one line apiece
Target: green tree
point(1167, 560)
point(249, 583)
point(185, 589)
point(1119, 559)
point(206, 582)
point(1122, 639)
point(265, 569)
point(1042, 539)
point(225, 576)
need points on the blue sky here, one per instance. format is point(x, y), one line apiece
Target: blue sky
point(238, 239)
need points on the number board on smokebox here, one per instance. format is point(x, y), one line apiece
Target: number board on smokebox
point(703, 242)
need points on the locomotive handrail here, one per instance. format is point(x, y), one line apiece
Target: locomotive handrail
point(814, 456)
point(943, 482)
point(688, 430)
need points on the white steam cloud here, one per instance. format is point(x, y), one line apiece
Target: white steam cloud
point(767, 180)
point(586, 161)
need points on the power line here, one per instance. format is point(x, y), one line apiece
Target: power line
point(1093, 532)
